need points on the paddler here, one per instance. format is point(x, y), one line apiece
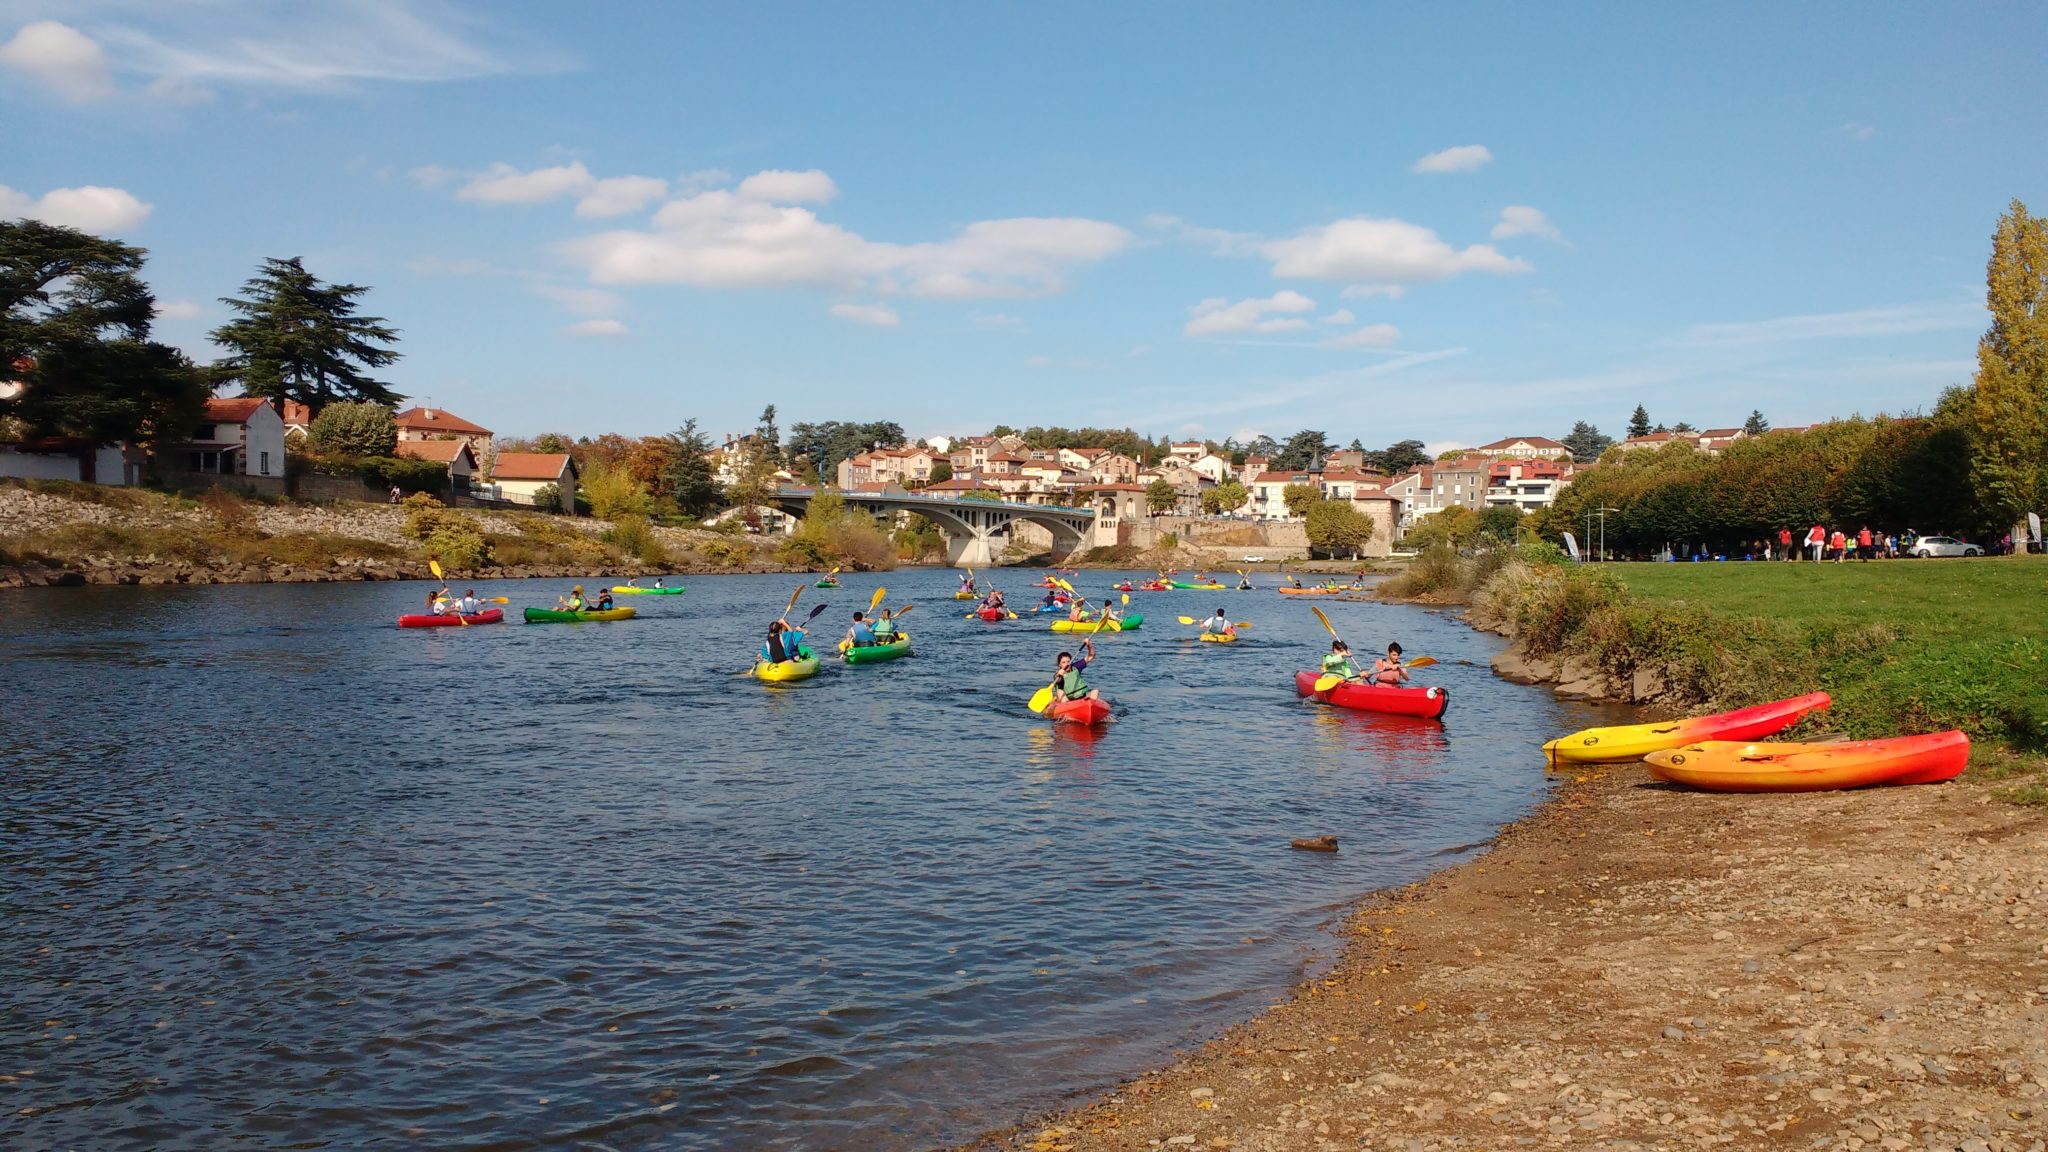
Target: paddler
point(1338, 661)
point(885, 627)
point(1052, 598)
point(604, 600)
point(861, 635)
point(469, 605)
point(1387, 671)
point(573, 602)
point(1244, 583)
point(1066, 681)
point(1219, 625)
point(1109, 613)
point(437, 602)
point(1077, 612)
point(967, 584)
point(776, 649)
point(994, 600)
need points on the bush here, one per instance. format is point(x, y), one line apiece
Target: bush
point(450, 537)
point(727, 553)
point(231, 514)
point(548, 498)
point(385, 471)
point(352, 429)
point(613, 492)
point(635, 537)
point(833, 534)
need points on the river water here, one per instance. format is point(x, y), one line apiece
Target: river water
point(275, 873)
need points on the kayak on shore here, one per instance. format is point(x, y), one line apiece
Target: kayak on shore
point(876, 653)
point(1082, 711)
point(558, 616)
point(633, 590)
point(1428, 703)
point(787, 670)
point(1129, 623)
point(1737, 766)
point(451, 620)
point(1623, 743)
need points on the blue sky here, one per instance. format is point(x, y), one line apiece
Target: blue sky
point(1195, 219)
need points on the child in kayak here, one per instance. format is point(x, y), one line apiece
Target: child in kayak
point(469, 605)
point(776, 649)
point(995, 601)
point(573, 602)
point(437, 602)
point(1219, 625)
point(1338, 661)
point(1066, 681)
point(1387, 671)
point(604, 600)
point(1077, 612)
point(861, 635)
point(885, 628)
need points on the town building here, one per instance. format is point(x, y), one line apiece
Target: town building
point(236, 436)
point(519, 477)
point(1526, 484)
point(457, 455)
point(425, 423)
point(1523, 448)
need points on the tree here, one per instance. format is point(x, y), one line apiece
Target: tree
point(1263, 445)
point(826, 444)
point(1454, 526)
point(299, 339)
point(1298, 497)
point(771, 439)
point(1355, 446)
point(1228, 496)
point(1685, 427)
point(1500, 522)
point(74, 331)
point(1586, 442)
point(1639, 422)
point(354, 429)
point(942, 471)
point(1756, 425)
point(611, 492)
point(649, 460)
point(1304, 449)
point(690, 480)
point(1161, 496)
point(1335, 526)
point(2011, 409)
point(1399, 456)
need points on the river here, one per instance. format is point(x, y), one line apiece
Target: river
point(277, 873)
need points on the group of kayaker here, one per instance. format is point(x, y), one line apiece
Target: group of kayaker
point(867, 632)
point(1387, 671)
point(440, 604)
point(574, 601)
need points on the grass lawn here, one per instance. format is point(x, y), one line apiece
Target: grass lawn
point(1958, 642)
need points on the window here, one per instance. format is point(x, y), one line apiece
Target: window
point(265, 463)
point(205, 432)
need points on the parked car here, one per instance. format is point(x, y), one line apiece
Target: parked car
point(1927, 546)
point(1253, 560)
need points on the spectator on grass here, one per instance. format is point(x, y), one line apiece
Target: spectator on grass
point(1785, 544)
point(1865, 545)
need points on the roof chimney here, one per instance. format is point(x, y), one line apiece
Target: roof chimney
point(427, 412)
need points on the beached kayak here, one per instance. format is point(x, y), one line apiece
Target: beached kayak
point(787, 670)
point(487, 616)
point(1737, 766)
point(1083, 711)
point(555, 616)
point(1627, 742)
point(1219, 637)
point(632, 590)
point(1129, 623)
point(1428, 703)
point(876, 653)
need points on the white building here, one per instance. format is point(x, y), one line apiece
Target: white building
point(237, 436)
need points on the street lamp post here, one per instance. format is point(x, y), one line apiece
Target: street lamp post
point(1603, 531)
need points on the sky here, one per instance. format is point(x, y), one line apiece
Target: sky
point(1447, 223)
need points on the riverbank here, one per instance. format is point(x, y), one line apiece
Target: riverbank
point(54, 533)
point(1636, 965)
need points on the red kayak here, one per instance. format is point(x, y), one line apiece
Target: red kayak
point(990, 613)
point(487, 616)
point(1428, 703)
point(1082, 711)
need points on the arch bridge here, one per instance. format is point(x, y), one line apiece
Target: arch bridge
point(975, 529)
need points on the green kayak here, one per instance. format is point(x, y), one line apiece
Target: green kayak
point(828, 584)
point(872, 653)
point(552, 616)
point(634, 590)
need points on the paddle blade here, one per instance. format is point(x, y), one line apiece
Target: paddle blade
point(791, 607)
point(814, 613)
point(1127, 599)
point(877, 601)
point(1422, 662)
point(1041, 700)
point(499, 600)
point(1242, 624)
point(1187, 619)
point(434, 566)
point(1325, 619)
point(1327, 681)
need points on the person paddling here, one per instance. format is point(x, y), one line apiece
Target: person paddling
point(1077, 612)
point(1338, 661)
point(776, 649)
point(861, 635)
point(469, 605)
point(573, 602)
point(967, 584)
point(994, 601)
point(437, 603)
point(1387, 671)
point(885, 627)
point(1066, 681)
point(1219, 625)
point(604, 600)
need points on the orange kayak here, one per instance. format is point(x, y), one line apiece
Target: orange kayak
point(1734, 766)
point(1624, 743)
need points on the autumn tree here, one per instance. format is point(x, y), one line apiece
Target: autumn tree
point(1161, 496)
point(2011, 408)
point(300, 339)
point(1334, 526)
point(1228, 496)
point(74, 332)
point(1298, 497)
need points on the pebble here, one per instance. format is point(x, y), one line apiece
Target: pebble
point(1671, 1033)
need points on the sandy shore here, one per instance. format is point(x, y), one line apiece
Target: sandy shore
point(1637, 966)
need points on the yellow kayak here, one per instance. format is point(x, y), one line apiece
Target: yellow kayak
point(1219, 637)
point(966, 596)
point(787, 670)
point(1087, 627)
point(1629, 742)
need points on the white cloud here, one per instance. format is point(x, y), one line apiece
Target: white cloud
point(690, 183)
point(1463, 158)
point(1367, 291)
point(1377, 251)
point(596, 328)
point(90, 208)
point(1340, 316)
point(581, 301)
point(1858, 131)
point(179, 310)
point(779, 187)
point(620, 195)
point(1217, 240)
point(1896, 321)
point(433, 176)
point(67, 62)
point(1522, 220)
point(1217, 316)
point(996, 320)
point(873, 315)
point(503, 184)
point(725, 239)
point(1370, 336)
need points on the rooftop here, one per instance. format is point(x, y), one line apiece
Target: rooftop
point(423, 419)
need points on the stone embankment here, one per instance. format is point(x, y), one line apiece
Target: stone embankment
point(1638, 966)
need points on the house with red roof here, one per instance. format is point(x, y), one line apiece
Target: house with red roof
point(236, 436)
point(298, 420)
point(457, 455)
point(520, 476)
point(426, 423)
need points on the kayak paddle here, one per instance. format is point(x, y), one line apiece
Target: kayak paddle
point(434, 566)
point(877, 601)
point(1041, 700)
point(1330, 680)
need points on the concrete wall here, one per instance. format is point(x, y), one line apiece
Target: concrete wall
point(199, 482)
